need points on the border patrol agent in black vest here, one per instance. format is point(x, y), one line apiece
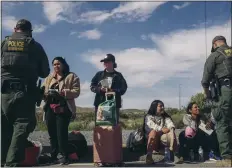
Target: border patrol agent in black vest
point(219, 66)
point(23, 60)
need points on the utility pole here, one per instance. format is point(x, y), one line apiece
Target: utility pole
point(179, 96)
point(231, 22)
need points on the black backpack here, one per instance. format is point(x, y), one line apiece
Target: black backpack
point(137, 139)
point(77, 144)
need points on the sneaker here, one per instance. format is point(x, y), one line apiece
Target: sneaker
point(179, 160)
point(54, 160)
point(213, 157)
point(149, 159)
point(64, 161)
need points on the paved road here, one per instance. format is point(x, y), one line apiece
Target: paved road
point(131, 160)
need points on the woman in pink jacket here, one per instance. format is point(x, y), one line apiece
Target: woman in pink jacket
point(61, 88)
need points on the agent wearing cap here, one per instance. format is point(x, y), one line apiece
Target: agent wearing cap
point(219, 65)
point(119, 85)
point(23, 61)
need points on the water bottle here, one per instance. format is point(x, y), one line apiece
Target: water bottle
point(191, 154)
point(167, 154)
point(201, 154)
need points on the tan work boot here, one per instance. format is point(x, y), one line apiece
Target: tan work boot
point(149, 159)
point(224, 163)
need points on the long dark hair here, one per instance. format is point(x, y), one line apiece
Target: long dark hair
point(153, 109)
point(66, 68)
point(189, 107)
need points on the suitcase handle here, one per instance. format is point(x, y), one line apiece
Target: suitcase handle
point(109, 93)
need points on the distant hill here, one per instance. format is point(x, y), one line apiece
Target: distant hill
point(91, 109)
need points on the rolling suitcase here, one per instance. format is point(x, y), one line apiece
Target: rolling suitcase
point(107, 137)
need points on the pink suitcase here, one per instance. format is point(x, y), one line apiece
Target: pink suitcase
point(107, 146)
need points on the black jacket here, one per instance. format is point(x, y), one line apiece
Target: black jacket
point(119, 86)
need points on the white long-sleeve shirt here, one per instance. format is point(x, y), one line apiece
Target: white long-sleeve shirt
point(157, 123)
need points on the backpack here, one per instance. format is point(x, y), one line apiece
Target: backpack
point(135, 141)
point(77, 144)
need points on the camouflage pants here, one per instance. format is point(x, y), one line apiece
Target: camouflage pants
point(18, 120)
point(223, 117)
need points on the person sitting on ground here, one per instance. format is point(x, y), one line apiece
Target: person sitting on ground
point(193, 137)
point(159, 127)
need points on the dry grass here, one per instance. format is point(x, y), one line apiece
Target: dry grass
point(130, 119)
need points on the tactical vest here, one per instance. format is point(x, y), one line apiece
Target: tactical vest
point(15, 56)
point(227, 53)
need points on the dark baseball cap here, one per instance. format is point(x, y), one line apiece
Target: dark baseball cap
point(216, 39)
point(219, 38)
point(108, 57)
point(24, 24)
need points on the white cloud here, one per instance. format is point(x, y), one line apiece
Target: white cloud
point(90, 34)
point(39, 28)
point(180, 55)
point(9, 23)
point(94, 17)
point(72, 33)
point(178, 7)
point(139, 11)
point(71, 12)
point(85, 87)
point(58, 11)
point(144, 37)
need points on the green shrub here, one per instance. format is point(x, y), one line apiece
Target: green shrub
point(178, 120)
point(128, 120)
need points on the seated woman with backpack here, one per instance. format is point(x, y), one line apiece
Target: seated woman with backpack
point(193, 137)
point(159, 130)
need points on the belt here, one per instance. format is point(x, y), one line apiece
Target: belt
point(225, 82)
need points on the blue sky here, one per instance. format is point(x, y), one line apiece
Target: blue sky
point(158, 45)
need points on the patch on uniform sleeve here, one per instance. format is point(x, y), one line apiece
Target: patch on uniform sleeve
point(18, 45)
point(228, 52)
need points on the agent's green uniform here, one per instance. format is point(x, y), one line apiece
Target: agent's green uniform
point(23, 60)
point(219, 63)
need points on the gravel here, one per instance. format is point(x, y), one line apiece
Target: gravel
point(43, 137)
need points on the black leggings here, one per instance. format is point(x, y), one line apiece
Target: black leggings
point(201, 139)
point(57, 125)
